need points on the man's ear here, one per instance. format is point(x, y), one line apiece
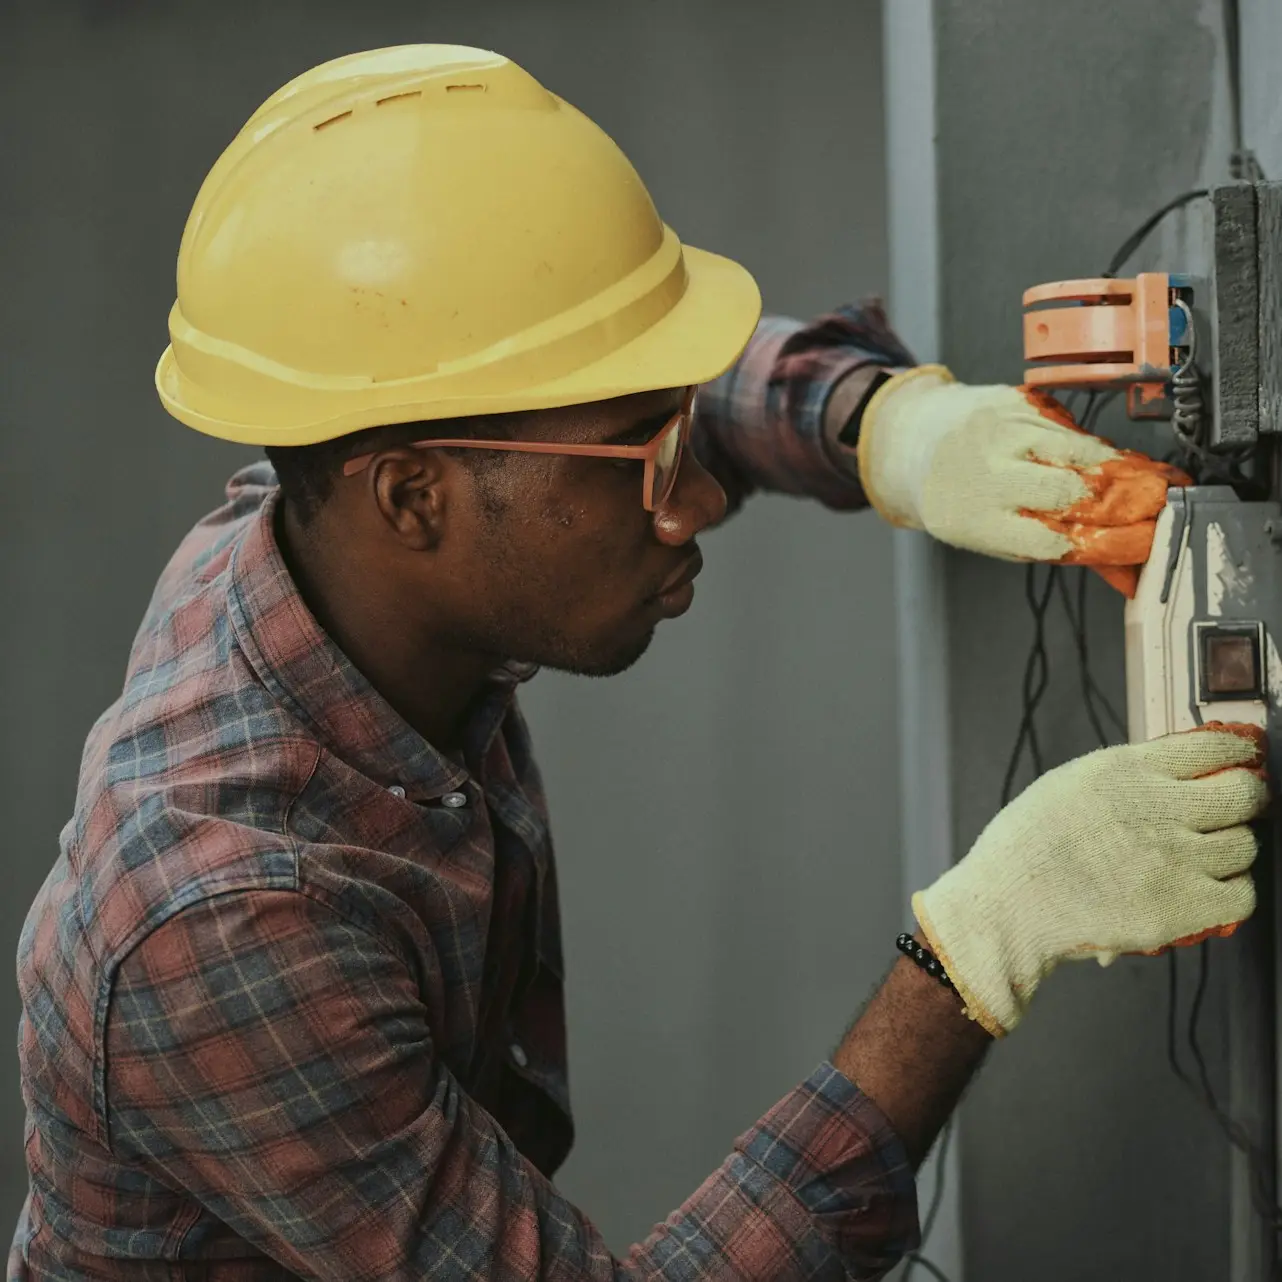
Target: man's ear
point(410, 491)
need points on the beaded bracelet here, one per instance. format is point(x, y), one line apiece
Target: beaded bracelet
point(924, 958)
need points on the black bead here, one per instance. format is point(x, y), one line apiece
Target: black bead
point(924, 958)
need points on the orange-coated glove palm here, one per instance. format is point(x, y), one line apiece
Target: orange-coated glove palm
point(1007, 472)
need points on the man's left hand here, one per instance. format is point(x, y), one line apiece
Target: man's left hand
point(1007, 472)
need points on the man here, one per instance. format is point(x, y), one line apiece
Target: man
point(292, 992)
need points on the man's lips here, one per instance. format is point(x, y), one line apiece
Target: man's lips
point(683, 573)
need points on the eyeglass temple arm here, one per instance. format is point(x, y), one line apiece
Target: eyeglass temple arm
point(642, 452)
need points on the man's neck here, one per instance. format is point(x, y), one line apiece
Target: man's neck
point(432, 686)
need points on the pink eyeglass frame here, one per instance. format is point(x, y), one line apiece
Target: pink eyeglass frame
point(680, 422)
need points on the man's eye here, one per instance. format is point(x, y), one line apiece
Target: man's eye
point(624, 464)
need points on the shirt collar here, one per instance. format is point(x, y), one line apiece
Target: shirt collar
point(302, 667)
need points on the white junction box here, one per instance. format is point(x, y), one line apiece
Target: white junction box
point(1197, 646)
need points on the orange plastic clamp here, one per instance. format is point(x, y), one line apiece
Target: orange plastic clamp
point(1114, 332)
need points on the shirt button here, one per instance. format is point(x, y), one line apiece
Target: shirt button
point(519, 1057)
point(396, 790)
point(454, 800)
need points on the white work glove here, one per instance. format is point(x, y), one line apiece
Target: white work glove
point(1006, 471)
point(1129, 849)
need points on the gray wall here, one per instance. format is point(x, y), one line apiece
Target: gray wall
point(1261, 102)
point(1060, 129)
point(727, 813)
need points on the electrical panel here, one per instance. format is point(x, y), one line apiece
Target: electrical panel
point(1201, 352)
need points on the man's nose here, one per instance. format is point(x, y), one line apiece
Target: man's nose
point(696, 502)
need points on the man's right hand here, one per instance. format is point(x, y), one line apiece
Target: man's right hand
point(1129, 849)
point(1007, 472)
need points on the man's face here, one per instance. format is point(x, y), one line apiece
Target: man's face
point(553, 559)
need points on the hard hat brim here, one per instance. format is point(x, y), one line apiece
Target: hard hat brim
point(697, 340)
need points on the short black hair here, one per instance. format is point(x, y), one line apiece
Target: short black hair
point(307, 472)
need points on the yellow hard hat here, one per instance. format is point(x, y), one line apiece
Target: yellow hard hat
point(423, 232)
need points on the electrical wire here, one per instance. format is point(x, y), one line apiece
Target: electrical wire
point(1244, 166)
point(936, 1201)
point(914, 1258)
point(1035, 683)
point(1097, 704)
point(1099, 709)
point(1242, 162)
point(1258, 1163)
point(1225, 469)
point(937, 1198)
point(1037, 666)
point(1036, 680)
point(1094, 700)
point(1132, 243)
point(1203, 1077)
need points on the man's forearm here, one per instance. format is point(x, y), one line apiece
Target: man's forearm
point(772, 422)
point(912, 1052)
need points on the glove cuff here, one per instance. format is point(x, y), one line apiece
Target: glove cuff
point(992, 977)
point(893, 454)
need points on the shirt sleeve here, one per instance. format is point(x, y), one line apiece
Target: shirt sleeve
point(274, 1060)
point(765, 423)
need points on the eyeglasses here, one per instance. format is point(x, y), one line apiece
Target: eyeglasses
point(661, 454)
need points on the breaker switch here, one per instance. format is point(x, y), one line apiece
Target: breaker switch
point(1229, 663)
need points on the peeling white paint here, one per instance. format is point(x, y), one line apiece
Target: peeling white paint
point(1224, 576)
point(1272, 670)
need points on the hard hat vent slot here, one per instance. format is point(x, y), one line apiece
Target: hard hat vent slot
point(333, 120)
point(460, 88)
point(399, 97)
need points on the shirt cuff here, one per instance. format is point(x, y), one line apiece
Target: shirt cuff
point(831, 1148)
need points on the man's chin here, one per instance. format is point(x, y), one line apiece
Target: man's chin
point(602, 663)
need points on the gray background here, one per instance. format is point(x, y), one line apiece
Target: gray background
point(727, 812)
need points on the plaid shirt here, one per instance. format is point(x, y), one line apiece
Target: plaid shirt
point(292, 992)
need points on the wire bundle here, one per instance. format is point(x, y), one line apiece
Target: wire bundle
point(1041, 585)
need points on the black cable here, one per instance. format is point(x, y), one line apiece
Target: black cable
point(1244, 166)
point(1195, 1011)
point(1226, 468)
point(1208, 468)
point(1242, 162)
point(1035, 683)
point(1233, 61)
point(1036, 677)
point(1234, 1132)
point(914, 1258)
point(937, 1197)
point(1172, 1022)
point(1036, 680)
point(1094, 700)
point(1145, 229)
